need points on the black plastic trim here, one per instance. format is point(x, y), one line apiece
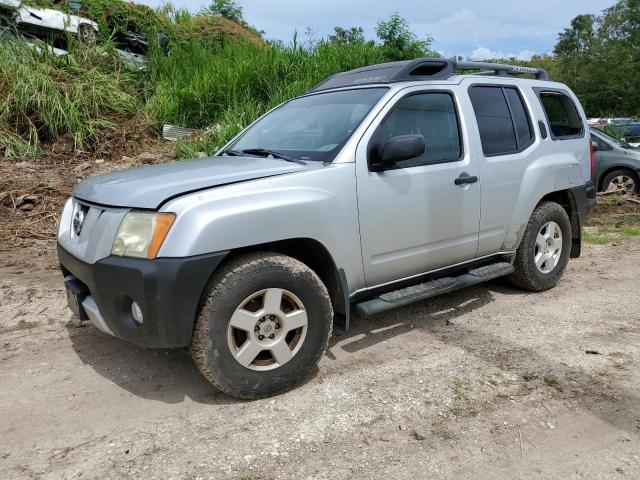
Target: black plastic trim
point(344, 287)
point(543, 129)
point(585, 197)
point(168, 291)
point(376, 290)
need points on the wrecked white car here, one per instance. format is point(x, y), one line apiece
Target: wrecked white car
point(46, 23)
point(53, 27)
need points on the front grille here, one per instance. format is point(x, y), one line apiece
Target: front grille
point(87, 231)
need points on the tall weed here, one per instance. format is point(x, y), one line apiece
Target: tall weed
point(226, 87)
point(44, 96)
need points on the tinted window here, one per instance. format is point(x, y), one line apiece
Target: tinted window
point(494, 120)
point(503, 121)
point(562, 115)
point(521, 120)
point(432, 115)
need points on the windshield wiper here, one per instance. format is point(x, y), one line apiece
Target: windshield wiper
point(233, 153)
point(263, 152)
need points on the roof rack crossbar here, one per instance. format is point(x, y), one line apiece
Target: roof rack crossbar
point(500, 69)
point(422, 69)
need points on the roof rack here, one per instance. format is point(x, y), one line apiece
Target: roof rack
point(422, 69)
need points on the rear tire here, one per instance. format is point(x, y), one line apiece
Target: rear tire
point(264, 323)
point(544, 251)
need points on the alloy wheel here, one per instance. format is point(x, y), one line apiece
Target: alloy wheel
point(267, 329)
point(622, 184)
point(548, 247)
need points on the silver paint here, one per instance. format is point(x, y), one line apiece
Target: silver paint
point(378, 227)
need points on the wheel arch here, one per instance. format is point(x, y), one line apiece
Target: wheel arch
point(316, 256)
point(567, 200)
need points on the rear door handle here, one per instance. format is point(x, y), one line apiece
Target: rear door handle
point(465, 179)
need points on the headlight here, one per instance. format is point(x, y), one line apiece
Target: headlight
point(141, 234)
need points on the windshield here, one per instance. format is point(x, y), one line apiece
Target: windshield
point(611, 139)
point(309, 128)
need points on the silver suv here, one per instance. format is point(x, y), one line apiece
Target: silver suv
point(381, 186)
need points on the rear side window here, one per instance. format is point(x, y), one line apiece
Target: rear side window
point(432, 115)
point(562, 115)
point(503, 121)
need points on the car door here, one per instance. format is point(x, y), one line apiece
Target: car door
point(503, 127)
point(413, 216)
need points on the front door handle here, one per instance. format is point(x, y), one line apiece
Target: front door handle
point(465, 179)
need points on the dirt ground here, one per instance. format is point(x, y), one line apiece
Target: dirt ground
point(489, 382)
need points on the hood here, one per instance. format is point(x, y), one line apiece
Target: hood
point(149, 187)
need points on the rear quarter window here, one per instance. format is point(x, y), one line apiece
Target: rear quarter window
point(562, 115)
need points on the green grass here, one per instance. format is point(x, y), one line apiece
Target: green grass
point(604, 235)
point(43, 97)
point(226, 87)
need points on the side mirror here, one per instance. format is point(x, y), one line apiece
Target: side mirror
point(396, 149)
point(595, 145)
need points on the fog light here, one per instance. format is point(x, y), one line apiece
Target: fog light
point(136, 311)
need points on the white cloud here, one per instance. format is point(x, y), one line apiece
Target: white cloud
point(483, 53)
point(457, 26)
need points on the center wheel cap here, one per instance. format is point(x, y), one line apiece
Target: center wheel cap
point(267, 328)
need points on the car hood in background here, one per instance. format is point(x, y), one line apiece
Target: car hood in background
point(149, 187)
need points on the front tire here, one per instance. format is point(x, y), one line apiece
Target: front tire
point(264, 323)
point(544, 251)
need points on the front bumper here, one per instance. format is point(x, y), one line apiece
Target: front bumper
point(168, 291)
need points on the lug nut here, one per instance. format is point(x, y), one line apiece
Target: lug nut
point(256, 329)
point(277, 326)
point(261, 337)
point(272, 336)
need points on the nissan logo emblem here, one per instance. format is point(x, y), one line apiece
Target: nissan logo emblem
point(78, 221)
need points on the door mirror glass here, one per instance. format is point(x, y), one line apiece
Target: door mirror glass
point(399, 148)
point(596, 146)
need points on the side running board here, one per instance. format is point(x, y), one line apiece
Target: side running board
point(433, 288)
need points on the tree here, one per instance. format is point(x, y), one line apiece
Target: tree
point(399, 42)
point(578, 38)
point(350, 36)
point(598, 56)
point(225, 8)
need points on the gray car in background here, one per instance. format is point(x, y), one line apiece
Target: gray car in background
point(617, 165)
point(380, 187)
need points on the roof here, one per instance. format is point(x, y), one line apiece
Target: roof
point(422, 69)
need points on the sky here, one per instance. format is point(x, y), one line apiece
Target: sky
point(477, 30)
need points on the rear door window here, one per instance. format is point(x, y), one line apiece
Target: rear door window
point(562, 115)
point(503, 121)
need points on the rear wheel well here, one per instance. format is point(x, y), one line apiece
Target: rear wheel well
point(314, 255)
point(566, 200)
